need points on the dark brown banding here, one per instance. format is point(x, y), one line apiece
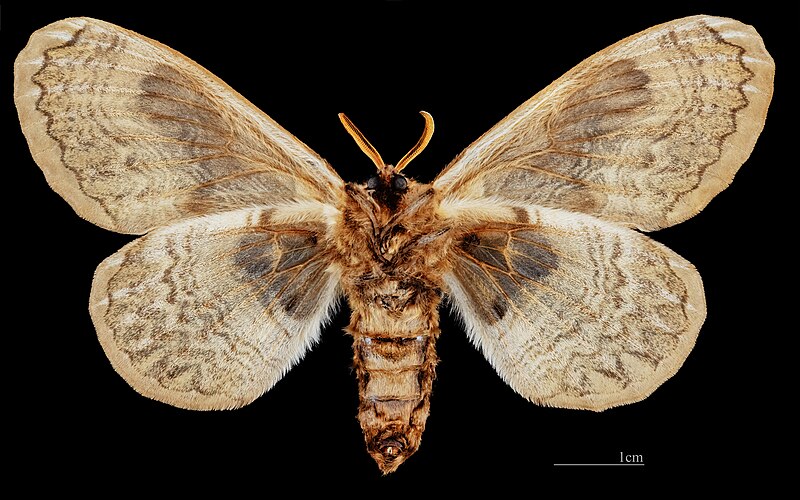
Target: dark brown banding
point(40, 78)
point(520, 215)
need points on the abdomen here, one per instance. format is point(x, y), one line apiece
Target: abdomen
point(395, 361)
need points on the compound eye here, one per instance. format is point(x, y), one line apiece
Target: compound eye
point(399, 182)
point(373, 182)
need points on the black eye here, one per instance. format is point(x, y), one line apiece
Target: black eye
point(399, 182)
point(373, 182)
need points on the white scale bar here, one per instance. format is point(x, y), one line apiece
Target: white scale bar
point(597, 465)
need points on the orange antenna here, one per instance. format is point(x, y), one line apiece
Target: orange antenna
point(427, 133)
point(362, 141)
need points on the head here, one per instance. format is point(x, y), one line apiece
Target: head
point(388, 185)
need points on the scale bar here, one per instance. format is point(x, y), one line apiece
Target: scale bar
point(599, 465)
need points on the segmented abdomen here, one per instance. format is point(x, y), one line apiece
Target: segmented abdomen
point(395, 370)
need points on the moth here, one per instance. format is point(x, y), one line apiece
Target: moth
point(534, 235)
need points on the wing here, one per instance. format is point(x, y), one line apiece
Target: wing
point(643, 133)
point(210, 312)
point(573, 311)
point(135, 136)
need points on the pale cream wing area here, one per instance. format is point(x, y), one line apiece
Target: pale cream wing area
point(135, 135)
point(573, 311)
point(643, 133)
point(210, 312)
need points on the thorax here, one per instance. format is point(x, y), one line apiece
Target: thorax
point(392, 257)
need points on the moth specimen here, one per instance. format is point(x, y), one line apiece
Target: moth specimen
point(533, 234)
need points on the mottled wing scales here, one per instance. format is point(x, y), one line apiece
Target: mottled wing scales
point(643, 133)
point(573, 311)
point(135, 135)
point(209, 313)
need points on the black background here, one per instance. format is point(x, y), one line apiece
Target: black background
point(382, 62)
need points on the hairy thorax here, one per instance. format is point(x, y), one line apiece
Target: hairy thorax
point(393, 257)
point(393, 250)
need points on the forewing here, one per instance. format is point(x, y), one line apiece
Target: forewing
point(135, 135)
point(643, 133)
point(209, 313)
point(573, 311)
